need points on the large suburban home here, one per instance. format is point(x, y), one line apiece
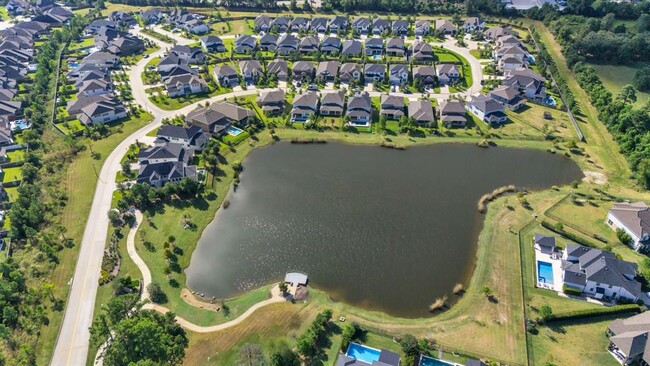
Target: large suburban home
point(634, 219)
point(360, 25)
point(318, 25)
point(332, 103)
point(216, 118)
point(156, 175)
point(486, 109)
point(101, 112)
point(445, 27)
point(374, 46)
point(304, 106)
point(426, 74)
point(182, 69)
point(189, 137)
point(300, 24)
point(123, 18)
point(327, 70)
point(226, 75)
point(245, 44)
point(338, 24)
point(269, 42)
point(151, 16)
point(421, 111)
point(98, 24)
point(473, 24)
point(279, 68)
point(512, 51)
point(287, 44)
point(350, 71)
point(400, 27)
point(374, 72)
point(94, 87)
point(508, 97)
point(398, 74)
point(280, 24)
point(331, 46)
point(212, 44)
point(452, 113)
point(352, 48)
point(102, 59)
point(126, 46)
point(379, 26)
point(447, 74)
point(628, 339)
point(395, 47)
point(529, 83)
point(359, 110)
point(421, 51)
point(250, 70)
point(599, 274)
point(262, 23)
point(178, 86)
point(271, 102)
point(303, 71)
point(494, 33)
point(169, 62)
point(507, 64)
point(391, 106)
point(196, 26)
point(164, 153)
point(422, 27)
point(18, 7)
point(508, 41)
point(309, 45)
point(193, 55)
point(75, 106)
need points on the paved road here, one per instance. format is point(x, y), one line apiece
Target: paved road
point(74, 335)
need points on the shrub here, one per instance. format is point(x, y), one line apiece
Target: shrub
point(589, 313)
point(623, 237)
point(571, 291)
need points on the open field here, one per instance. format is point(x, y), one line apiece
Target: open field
point(614, 77)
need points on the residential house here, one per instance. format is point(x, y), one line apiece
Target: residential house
point(447, 74)
point(156, 175)
point(123, 18)
point(425, 74)
point(102, 59)
point(529, 83)
point(196, 26)
point(422, 27)
point(508, 64)
point(634, 219)
point(9, 110)
point(359, 111)
point(279, 68)
point(360, 25)
point(18, 7)
point(318, 25)
point(395, 47)
point(338, 24)
point(193, 55)
point(327, 70)
point(262, 23)
point(178, 86)
point(245, 44)
point(544, 243)
point(494, 33)
point(101, 112)
point(486, 109)
point(271, 102)
point(269, 42)
point(474, 24)
point(331, 46)
point(300, 24)
point(183, 69)
point(217, 117)
point(384, 358)
point(303, 71)
point(95, 87)
point(152, 16)
point(250, 70)
point(421, 51)
point(226, 75)
point(398, 74)
point(126, 46)
point(75, 106)
point(509, 41)
point(421, 111)
point(165, 152)
point(628, 339)
point(212, 44)
point(352, 48)
point(349, 72)
point(374, 72)
point(400, 27)
point(508, 97)
point(287, 44)
point(510, 51)
point(304, 106)
point(380, 26)
point(391, 106)
point(445, 27)
point(169, 62)
point(191, 137)
point(374, 46)
point(452, 113)
point(98, 24)
point(309, 45)
point(599, 274)
point(332, 103)
point(280, 24)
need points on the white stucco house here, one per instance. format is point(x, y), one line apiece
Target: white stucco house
point(634, 218)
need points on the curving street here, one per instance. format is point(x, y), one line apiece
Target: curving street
point(74, 335)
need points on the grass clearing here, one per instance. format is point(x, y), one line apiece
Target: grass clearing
point(614, 77)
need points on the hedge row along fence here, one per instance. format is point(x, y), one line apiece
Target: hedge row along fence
point(568, 235)
point(590, 313)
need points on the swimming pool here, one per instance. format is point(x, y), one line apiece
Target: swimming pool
point(73, 65)
point(363, 353)
point(376, 57)
point(550, 101)
point(233, 131)
point(20, 124)
point(544, 272)
point(430, 361)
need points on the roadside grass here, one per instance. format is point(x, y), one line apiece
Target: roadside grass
point(614, 77)
point(164, 102)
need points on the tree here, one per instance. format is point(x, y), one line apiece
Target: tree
point(623, 236)
point(251, 354)
point(627, 94)
point(284, 356)
point(545, 312)
point(283, 287)
point(487, 291)
point(156, 293)
point(643, 23)
point(642, 79)
point(409, 344)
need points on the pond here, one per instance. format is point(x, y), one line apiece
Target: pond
point(377, 228)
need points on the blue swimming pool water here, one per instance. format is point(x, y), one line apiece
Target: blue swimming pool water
point(550, 101)
point(20, 124)
point(430, 361)
point(233, 131)
point(376, 57)
point(73, 65)
point(545, 272)
point(363, 353)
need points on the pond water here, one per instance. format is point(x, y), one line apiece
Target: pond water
point(377, 228)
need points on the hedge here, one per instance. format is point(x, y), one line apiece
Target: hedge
point(589, 313)
point(571, 291)
point(568, 235)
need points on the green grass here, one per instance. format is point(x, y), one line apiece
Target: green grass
point(12, 174)
point(614, 77)
point(3, 13)
point(15, 155)
point(85, 43)
point(169, 104)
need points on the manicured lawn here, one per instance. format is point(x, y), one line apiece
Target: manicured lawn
point(528, 122)
point(85, 42)
point(614, 77)
point(170, 104)
point(12, 174)
point(15, 155)
point(12, 192)
point(71, 127)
